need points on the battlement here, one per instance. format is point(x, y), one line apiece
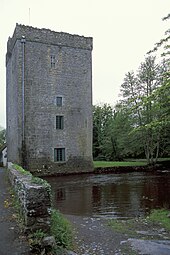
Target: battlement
point(48, 36)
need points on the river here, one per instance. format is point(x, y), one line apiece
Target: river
point(111, 195)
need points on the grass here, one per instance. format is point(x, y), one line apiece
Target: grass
point(160, 216)
point(60, 226)
point(61, 230)
point(34, 179)
point(123, 227)
point(21, 170)
point(117, 163)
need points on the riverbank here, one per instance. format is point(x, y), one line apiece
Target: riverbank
point(127, 167)
point(97, 236)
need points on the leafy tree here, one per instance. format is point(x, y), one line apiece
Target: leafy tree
point(102, 118)
point(143, 108)
point(140, 123)
point(2, 137)
point(111, 134)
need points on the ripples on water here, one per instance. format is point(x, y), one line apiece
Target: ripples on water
point(111, 195)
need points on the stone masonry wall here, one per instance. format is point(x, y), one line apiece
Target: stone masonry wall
point(71, 79)
point(34, 199)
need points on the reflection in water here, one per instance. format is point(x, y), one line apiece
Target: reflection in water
point(111, 195)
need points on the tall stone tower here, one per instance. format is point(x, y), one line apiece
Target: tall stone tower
point(49, 101)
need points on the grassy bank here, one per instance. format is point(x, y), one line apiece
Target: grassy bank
point(161, 217)
point(118, 163)
point(157, 221)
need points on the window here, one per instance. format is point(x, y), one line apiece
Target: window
point(52, 61)
point(59, 101)
point(59, 154)
point(59, 122)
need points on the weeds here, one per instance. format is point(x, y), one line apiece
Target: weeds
point(35, 241)
point(61, 230)
point(60, 227)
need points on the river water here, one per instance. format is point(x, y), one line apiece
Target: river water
point(111, 195)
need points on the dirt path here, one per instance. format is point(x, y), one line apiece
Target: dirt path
point(93, 236)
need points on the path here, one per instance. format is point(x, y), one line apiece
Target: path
point(93, 236)
point(12, 242)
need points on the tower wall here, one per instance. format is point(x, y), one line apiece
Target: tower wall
point(55, 65)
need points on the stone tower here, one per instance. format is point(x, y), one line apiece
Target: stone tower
point(49, 101)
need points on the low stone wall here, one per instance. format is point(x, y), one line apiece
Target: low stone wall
point(34, 196)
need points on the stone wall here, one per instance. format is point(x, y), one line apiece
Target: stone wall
point(71, 79)
point(34, 198)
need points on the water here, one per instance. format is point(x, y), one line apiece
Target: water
point(111, 195)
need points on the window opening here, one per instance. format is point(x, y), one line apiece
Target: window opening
point(52, 61)
point(59, 101)
point(59, 154)
point(59, 122)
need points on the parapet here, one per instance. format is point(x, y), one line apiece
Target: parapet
point(48, 36)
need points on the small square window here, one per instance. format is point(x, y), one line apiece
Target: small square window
point(59, 101)
point(59, 122)
point(59, 154)
point(52, 61)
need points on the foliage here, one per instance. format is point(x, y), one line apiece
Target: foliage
point(102, 119)
point(136, 91)
point(21, 170)
point(115, 164)
point(33, 179)
point(139, 125)
point(35, 241)
point(164, 42)
point(2, 137)
point(61, 230)
point(160, 216)
point(40, 181)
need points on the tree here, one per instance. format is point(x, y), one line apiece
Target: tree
point(2, 137)
point(102, 118)
point(111, 134)
point(164, 42)
point(142, 107)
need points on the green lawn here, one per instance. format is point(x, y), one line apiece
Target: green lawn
point(117, 163)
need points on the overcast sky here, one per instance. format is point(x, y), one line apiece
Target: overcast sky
point(122, 30)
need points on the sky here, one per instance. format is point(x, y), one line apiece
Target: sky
point(123, 32)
